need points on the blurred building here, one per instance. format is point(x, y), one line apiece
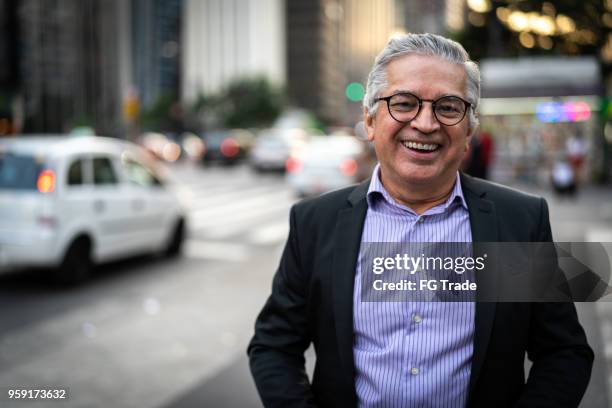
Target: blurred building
point(9, 69)
point(68, 64)
point(331, 44)
point(78, 62)
point(228, 39)
point(156, 39)
point(427, 16)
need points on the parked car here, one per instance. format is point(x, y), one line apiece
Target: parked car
point(226, 146)
point(328, 163)
point(70, 203)
point(274, 146)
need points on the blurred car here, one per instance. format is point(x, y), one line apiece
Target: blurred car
point(70, 203)
point(226, 146)
point(274, 146)
point(161, 146)
point(328, 163)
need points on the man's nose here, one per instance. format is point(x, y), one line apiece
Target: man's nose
point(425, 121)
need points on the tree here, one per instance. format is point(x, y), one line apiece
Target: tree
point(244, 103)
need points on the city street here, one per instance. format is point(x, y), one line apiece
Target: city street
point(155, 332)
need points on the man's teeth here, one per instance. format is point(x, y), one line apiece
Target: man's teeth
point(420, 146)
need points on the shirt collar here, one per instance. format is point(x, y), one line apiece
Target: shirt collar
point(376, 190)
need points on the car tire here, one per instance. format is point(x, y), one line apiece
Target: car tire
point(176, 240)
point(77, 264)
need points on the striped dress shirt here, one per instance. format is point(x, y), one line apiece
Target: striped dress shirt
point(412, 354)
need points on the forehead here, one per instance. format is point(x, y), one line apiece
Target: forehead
point(426, 76)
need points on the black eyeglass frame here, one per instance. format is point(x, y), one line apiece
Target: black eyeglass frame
point(468, 105)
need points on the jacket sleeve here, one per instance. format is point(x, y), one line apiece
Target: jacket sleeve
point(558, 348)
point(276, 351)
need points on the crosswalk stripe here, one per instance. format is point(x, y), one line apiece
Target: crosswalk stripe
point(204, 205)
point(215, 250)
point(230, 224)
point(269, 234)
point(238, 209)
point(252, 207)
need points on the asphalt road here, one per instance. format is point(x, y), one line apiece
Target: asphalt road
point(153, 332)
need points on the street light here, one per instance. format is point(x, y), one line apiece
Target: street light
point(479, 6)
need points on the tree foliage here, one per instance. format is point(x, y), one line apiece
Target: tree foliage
point(245, 102)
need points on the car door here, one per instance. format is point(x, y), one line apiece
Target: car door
point(155, 204)
point(117, 228)
point(75, 208)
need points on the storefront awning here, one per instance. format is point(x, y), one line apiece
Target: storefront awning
point(541, 76)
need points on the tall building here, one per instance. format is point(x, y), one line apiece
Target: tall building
point(67, 58)
point(426, 16)
point(228, 39)
point(77, 62)
point(156, 50)
point(331, 44)
point(9, 68)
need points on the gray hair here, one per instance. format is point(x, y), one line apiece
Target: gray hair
point(423, 44)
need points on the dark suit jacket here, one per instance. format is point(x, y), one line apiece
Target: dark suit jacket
point(312, 301)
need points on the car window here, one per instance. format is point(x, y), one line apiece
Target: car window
point(139, 174)
point(19, 172)
point(103, 171)
point(75, 173)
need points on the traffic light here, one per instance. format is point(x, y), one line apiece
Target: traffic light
point(354, 91)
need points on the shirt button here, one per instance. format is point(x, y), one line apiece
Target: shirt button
point(417, 318)
point(414, 371)
point(421, 219)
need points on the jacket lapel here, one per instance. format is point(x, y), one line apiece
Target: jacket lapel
point(347, 240)
point(483, 222)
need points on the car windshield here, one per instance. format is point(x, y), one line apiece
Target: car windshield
point(19, 172)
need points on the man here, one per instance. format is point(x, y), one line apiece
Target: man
point(420, 107)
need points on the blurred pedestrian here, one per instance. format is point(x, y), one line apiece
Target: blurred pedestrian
point(576, 149)
point(563, 177)
point(479, 155)
point(420, 113)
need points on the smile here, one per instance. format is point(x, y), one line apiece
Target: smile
point(421, 147)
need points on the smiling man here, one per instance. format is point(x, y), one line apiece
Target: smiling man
point(420, 113)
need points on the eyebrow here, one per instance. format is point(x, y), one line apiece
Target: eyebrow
point(396, 91)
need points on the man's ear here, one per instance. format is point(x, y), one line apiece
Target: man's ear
point(368, 123)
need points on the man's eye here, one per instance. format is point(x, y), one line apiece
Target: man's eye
point(448, 108)
point(404, 105)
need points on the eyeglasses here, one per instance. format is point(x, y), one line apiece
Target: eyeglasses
point(405, 107)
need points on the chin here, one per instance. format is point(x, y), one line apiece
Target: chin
point(420, 176)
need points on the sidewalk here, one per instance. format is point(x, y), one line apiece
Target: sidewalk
point(587, 218)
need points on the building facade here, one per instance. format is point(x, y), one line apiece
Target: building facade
point(331, 44)
point(76, 63)
point(229, 39)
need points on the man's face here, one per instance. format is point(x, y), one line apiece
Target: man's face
point(428, 78)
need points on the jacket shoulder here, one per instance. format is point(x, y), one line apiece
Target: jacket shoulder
point(517, 212)
point(501, 194)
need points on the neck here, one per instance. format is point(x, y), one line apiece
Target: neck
point(419, 198)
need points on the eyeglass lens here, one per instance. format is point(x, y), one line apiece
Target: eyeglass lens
point(449, 110)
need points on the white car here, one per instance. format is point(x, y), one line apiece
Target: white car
point(72, 202)
point(327, 163)
point(274, 146)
